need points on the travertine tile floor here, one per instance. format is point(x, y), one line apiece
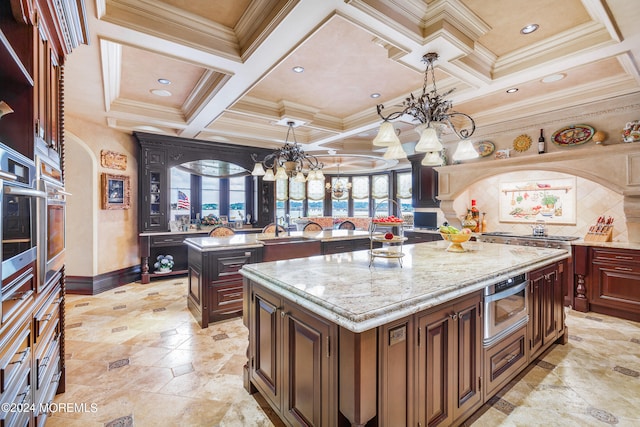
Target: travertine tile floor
point(136, 357)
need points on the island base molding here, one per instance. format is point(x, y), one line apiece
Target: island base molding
point(429, 368)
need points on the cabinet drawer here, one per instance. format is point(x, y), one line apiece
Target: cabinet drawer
point(48, 357)
point(14, 355)
point(48, 393)
point(226, 296)
point(337, 247)
point(167, 240)
point(47, 316)
point(17, 293)
point(228, 266)
point(19, 397)
point(504, 360)
point(626, 257)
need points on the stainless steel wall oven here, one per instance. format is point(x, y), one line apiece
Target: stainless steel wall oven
point(52, 212)
point(505, 308)
point(19, 200)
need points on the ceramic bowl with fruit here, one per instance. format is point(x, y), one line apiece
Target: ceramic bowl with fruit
point(455, 237)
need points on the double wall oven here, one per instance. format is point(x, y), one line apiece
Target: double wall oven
point(20, 198)
point(52, 213)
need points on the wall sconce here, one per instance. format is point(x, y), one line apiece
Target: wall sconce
point(4, 109)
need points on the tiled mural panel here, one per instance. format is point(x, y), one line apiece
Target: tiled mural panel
point(593, 200)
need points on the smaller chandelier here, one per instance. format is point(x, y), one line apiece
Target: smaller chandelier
point(339, 188)
point(288, 162)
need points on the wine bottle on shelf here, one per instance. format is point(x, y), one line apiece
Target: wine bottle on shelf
point(541, 144)
point(475, 215)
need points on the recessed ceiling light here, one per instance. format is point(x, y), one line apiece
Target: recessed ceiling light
point(298, 69)
point(160, 92)
point(528, 29)
point(375, 95)
point(164, 81)
point(512, 90)
point(553, 78)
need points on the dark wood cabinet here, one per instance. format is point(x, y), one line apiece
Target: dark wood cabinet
point(152, 245)
point(545, 307)
point(449, 362)
point(215, 284)
point(420, 237)
point(291, 359)
point(424, 183)
point(340, 246)
point(153, 191)
point(35, 38)
point(157, 154)
point(613, 282)
point(504, 360)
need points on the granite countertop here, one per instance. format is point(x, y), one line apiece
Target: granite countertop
point(239, 241)
point(343, 289)
point(613, 245)
point(203, 229)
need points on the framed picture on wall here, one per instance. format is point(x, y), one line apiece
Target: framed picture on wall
point(551, 200)
point(116, 191)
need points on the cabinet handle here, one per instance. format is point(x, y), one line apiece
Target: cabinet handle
point(23, 295)
point(453, 316)
point(25, 394)
point(283, 314)
point(623, 257)
point(24, 354)
point(623, 268)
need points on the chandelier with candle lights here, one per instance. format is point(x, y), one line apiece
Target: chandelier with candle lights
point(339, 187)
point(289, 161)
point(433, 114)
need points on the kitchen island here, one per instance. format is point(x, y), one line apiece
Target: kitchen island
point(333, 341)
point(213, 263)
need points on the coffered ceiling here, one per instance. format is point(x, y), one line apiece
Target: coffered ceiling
point(230, 64)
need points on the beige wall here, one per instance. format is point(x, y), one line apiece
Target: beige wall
point(592, 201)
point(98, 241)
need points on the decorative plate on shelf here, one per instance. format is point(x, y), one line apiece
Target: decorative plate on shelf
point(631, 132)
point(572, 135)
point(522, 143)
point(484, 148)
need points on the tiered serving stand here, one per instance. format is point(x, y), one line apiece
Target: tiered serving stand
point(391, 248)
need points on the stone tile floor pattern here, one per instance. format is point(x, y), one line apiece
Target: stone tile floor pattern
point(136, 357)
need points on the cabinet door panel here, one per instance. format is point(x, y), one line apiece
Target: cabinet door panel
point(306, 369)
point(265, 342)
point(434, 379)
point(304, 348)
point(550, 299)
point(468, 354)
point(536, 287)
point(618, 286)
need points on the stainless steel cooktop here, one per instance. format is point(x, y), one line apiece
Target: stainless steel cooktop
point(529, 236)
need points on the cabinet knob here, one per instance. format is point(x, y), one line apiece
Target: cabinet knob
point(453, 316)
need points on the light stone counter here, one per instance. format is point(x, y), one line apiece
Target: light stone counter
point(240, 241)
point(343, 289)
point(613, 245)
